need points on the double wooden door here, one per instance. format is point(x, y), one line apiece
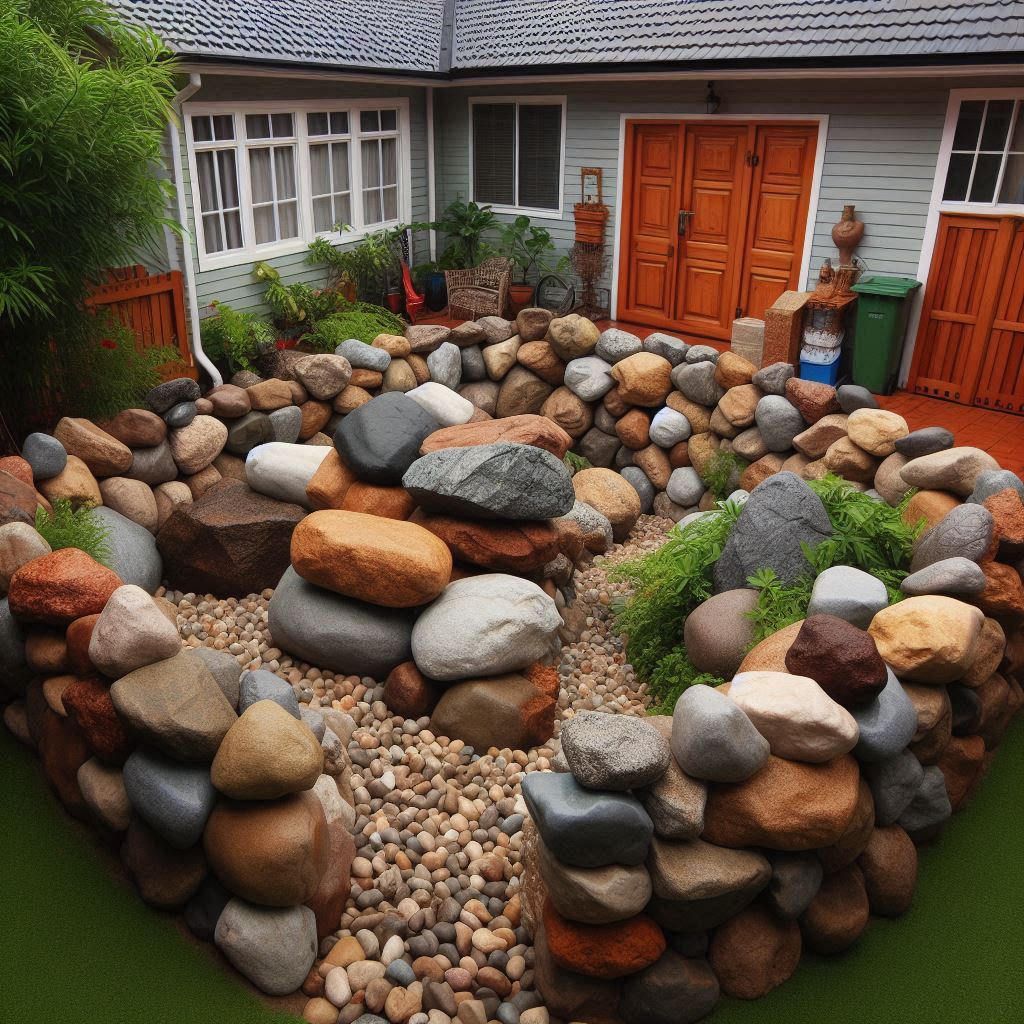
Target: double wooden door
point(970, 342)
point(714, 215)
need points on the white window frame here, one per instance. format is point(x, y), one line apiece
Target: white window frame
point(250, 252)
point(523, 101)
point(330, 140)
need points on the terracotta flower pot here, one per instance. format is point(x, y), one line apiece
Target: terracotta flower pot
point(520, 296)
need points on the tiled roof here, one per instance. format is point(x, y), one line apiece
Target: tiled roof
point(505, 33)
point(378, 35)
point(488, 35)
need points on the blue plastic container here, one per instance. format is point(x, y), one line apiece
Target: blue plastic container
point(827, 373)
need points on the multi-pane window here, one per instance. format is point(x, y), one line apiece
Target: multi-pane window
point(217, 169)
point(517, 154)
point(329, 174)
point(266, 178)
point(986, 165)
point(378, 150)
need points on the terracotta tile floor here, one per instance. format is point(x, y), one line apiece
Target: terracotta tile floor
point(999, 433)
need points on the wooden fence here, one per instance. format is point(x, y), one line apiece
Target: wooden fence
point(153, 307)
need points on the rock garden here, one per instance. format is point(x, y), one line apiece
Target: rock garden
point(515, 672)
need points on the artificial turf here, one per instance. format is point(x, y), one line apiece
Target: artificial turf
point(78, 947)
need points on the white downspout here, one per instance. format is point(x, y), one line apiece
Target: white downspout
point(195, 80)
point(431, 199)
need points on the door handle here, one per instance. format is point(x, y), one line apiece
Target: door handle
point(684, 217)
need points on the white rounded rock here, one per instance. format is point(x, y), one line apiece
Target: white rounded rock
point(794, 714)
point(669, 427)
point(685, 486)
point(448, 407)
point(484, 626)
point(281, 470)
point(130, 633)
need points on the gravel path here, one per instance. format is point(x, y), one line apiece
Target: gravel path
point(438, 826)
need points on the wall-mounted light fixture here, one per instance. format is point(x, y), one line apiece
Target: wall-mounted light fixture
point(712, 102)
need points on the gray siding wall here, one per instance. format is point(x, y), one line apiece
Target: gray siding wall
point(881, 148)
point(235, 285)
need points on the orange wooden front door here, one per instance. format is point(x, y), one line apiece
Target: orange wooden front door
point(970, 342)
point(714, 217)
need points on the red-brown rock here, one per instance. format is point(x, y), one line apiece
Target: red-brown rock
point(1003, 596)
point(376, 500)
point(634, 429)
point(603, 950)
point(87, 702)
point(495, 544)
point(329, 900)
point(811, 399)
point(842, 659)
point(63, 750)
point(46, 652)
point(165, 876)
point(61, 586)
point(18, 500)
point(889, 868)
point(525, 429)
point(18, 468)
point(754, 952)
point(232, 541)
point(961, 766)
point(543, 360)
point(407, 692)
point(1007, 510)
point(137, 428)
point(77, 637)
point(571, 996)
point(838, 914)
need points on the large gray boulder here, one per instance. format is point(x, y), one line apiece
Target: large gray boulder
point(483, 626)
point(338, 633)
point(274, 947)
point(963, 532)
point(614, 752)
point(492, 481)
point(175, 799)
point(781, 515)
point(133, 551)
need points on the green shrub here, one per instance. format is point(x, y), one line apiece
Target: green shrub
point(720, 471)
point(360, 320)
point(68, 527)
point(575, 463)
point(235, 338)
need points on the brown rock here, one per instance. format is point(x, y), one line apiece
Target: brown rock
point(19, 501)
point(931, 506)
point(698, 415)
point(62, 751)
point(134, 499)
point(399, 376)
point(77, 638)
point(231, 541)
point(229, 401)
point(199, 483)
point(137, 428)
point(797, 464)
point(614, 403)
point(376, 500)
point(194, 447)
point(732, 370)
point(953, 469)
point(654, 462)
point(961, 764)
point(573, 336)
point(718, 631)
point(46, 652)
point(500, 357)
point(787, 805)
point(395, 345)
point(987, 655)
point(61, 586)
point(1003, 595)
point(543, 360)
point(531, 324)
point(424, 338)
point(165, 876)
point(876, 430)
point(928, 639)
point(419, 368)
point(369, 380)
point(838, 914)
point(738, 404)
point(849, 461)
point(230, 467)
point(770, 654)
point(842, 659)
point(408, 693)
point(757, 472)
point(852, 842)
point(644, 379)
point(701, 448)
point(571, 996)
point(571, 540)
point(722, 427)
point(104, 455)
point(889, 869)
point(889, 480)
point(329, 484)
point(168, 497)
point(17, 467)
point(521, 392)
point(383, 561)
point(813, 400)
point(749, 444)
point(679, 455)
point(1008, 514)
point(314, 418)
point(269, 395)
point(611, 495)
point(273, 853)
point(571, 413)
point(74, 482)
point(934, 721)
point(88, 703)
point(526, 429)
point(328, 902)
point(351, 398)
point(494, 544)
point(754, 952)
point(633, 429)
point(819, 436)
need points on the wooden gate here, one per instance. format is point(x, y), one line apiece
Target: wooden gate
point(713, 221)
point(153, 307)
point(970, 343)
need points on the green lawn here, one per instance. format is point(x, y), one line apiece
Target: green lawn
point(79, 948)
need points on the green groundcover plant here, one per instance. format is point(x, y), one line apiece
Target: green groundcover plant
point(69, 527)
point(670, 583)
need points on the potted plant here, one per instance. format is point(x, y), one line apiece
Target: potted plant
point(528, 249)
point(464, 224)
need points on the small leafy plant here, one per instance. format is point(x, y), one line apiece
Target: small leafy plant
point(721, 469)
point(360, 320)
point(528, 248)
point(69, 527)
point(236, 338)
point(779, 604)
point(575, 463)
point(465, 225)
point(372, 266)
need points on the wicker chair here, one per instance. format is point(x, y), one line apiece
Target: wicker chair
point(480, 291)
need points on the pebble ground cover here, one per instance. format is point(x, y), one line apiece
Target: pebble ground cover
point(405, 768)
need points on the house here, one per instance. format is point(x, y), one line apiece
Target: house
point(728, 135)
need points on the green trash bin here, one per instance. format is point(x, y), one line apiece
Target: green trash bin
point(882, 312)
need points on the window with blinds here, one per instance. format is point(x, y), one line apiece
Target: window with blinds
point(517, 154)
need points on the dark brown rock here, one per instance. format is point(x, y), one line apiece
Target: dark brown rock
point(503, 546)
point(77, 638)
point(232, 541)
point(137, 428)
point(754, 952)
point(63, 750)
point(165, 876)
point(812, 400)
point(889, 868)
point(88, 703)
point(329, 900)
point(407, 692)
point(838, 914)
point(18, 500)
point(841, 658)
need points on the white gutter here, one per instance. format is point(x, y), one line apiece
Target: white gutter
point(431, 197)
point(195, 80)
